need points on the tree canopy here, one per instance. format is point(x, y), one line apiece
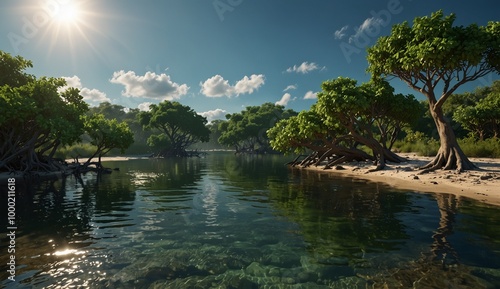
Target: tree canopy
point(433, 55)
point(246, 131)
point(482, 119)
point(107, 134)
point(346, 115)
point(129, 116)
point(366, 111)
point(176, 127)
point(35, 117)
point(40, 115)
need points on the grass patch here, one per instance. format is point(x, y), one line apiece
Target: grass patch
point(427, 148)
point(80, 150)
point(488, 148)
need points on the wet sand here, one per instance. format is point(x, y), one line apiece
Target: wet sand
point(482, 184)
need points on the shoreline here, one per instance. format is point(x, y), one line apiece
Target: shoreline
point(482, 185)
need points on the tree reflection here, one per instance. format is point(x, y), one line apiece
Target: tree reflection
point(155, 174)
point(441, 248)
point(55, 219)
point(340, 217)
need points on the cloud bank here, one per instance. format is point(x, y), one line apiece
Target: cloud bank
point(149, 85)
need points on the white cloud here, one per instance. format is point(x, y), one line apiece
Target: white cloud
point(214, 114)
point(304, 68)
point(93, 96)
point(369, 23)
point(284, 99)
point(339, 34)
point(144, 106)
point(248, 85)
point(150, 85)
point(311, 95)
point(217, 86)
point(290, 87)
point(73, 81)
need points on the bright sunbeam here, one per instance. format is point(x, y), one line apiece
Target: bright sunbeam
point(70, 25)
point(68, 13)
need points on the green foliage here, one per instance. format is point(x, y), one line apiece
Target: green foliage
point(213, 143)
point(482, 120)
point(176, 126)
point(298, 133)
point(345, 116)
point(435, 56)
point(432, 44)
point(79, 150)
point(107, 134)
point(246, 131)
point(130, 116)
point(364, 109)
point(111, 111)
point(12, 70)
point(159, 142)
point(35, 117)
point(417, 142)
point(489, 148)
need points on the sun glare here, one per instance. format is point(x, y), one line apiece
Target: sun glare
point(67, 13)
point(68, 26)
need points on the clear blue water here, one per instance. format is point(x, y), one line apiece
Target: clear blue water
point(247, 222)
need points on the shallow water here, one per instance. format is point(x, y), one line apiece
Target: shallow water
point(247, 222)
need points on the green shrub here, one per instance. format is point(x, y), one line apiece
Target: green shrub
point(80, 150)
point(417, 142)
point(488, 148)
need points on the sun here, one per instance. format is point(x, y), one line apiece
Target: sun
point(68, 13)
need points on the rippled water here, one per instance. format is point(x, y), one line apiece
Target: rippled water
point(247, 222)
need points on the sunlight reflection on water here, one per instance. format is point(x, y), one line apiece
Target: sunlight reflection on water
point(198, 224)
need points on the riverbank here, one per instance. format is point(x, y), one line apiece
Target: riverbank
point(482, 185)
point(43, 175)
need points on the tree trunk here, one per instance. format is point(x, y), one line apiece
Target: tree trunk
point(450, 156)
point(381, 154)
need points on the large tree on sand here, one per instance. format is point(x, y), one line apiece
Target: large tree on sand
point(435, 58)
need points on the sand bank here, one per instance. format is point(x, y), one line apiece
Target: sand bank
point(482, 185)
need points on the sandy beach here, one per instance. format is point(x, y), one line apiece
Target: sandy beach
point(482, 184)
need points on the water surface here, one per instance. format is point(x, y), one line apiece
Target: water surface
point(247, 222)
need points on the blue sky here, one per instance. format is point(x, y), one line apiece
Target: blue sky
point(217, 56)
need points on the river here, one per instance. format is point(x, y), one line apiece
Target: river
point(227, 221)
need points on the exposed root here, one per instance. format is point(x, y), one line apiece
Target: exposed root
point(378, 168)
point(451, 159)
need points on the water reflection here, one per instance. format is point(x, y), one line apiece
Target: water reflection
point(248, 222)
point(159, 174)
point(442, 250)
point(59, 223)
point(340, 217)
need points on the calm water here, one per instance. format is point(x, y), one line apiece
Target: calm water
point(247, 222)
